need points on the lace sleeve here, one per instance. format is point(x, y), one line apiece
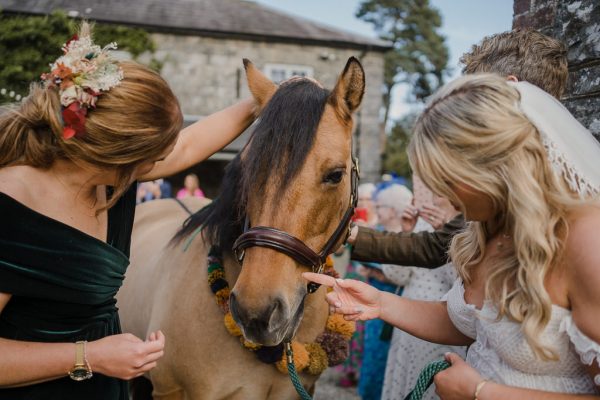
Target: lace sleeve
point(587, 349)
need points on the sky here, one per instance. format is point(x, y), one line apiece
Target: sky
point(464, 23)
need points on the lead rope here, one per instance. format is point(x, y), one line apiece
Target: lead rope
point(425, 379)
point(293, 373)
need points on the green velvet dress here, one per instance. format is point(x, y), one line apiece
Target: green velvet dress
point(63, 284)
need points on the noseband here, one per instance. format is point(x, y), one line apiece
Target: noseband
point(283, 242)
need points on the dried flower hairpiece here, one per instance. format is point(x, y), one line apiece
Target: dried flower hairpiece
point(82, 73)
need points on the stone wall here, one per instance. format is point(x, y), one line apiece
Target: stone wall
point(207, 75)
point(577, 24)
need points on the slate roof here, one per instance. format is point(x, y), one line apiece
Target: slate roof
point(216, 18)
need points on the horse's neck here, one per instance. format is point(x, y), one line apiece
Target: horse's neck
point(316, 309)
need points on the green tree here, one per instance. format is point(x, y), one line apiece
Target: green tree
point(395, 158)
point(28, 45)
point(419, 56)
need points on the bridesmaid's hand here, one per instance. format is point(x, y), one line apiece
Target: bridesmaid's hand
point(458, 382)
point(125, 356)
point(354, 299)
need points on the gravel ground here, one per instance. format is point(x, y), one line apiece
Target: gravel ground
point(327, 389)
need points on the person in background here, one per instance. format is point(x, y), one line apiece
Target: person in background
point(349, 370)
point(166, 191)
point(365, 206)
point(191, 187)
point(390, 203)
point(147, 191)
point(408, 355)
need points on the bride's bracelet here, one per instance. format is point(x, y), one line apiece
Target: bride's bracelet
point(480, 386)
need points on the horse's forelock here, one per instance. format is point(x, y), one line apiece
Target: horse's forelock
point(283, 136)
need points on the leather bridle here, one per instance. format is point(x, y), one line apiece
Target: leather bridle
point(283, 242)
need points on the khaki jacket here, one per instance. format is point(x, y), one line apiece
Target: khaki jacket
point(422, 249)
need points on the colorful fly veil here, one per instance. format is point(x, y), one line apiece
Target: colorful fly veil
point(82, 74)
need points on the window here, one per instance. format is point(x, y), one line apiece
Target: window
point(281, 72)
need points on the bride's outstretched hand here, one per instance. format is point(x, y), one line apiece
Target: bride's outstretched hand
point(354, 299)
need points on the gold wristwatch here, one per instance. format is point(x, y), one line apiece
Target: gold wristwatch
point(81, 370)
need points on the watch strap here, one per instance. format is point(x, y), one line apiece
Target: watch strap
point(80, 353)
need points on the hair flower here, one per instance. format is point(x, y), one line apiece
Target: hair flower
point(81, 74)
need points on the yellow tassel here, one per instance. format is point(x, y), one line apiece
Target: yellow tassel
point(301, 358)
point(329, 262)
point(318, 359)
point(337, 323)
point(217, 274)
point(250, 345)
point(231, 325)
point(222, 296)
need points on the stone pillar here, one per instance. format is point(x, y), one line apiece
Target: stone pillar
point(577, 24)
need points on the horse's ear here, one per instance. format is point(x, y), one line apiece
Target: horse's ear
point(350, 86)
point(261, 87)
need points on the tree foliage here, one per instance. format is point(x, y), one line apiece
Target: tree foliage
point(395, 158)
point(419, 56)
point(28, 45)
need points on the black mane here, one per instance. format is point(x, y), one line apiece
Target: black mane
point(281, 140)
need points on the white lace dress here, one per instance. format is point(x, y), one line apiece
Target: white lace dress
point(408, 355)
point(500, 352)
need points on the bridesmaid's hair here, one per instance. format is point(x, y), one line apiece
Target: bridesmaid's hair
point(132, 123)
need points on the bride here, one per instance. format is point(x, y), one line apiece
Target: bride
point(526, 175)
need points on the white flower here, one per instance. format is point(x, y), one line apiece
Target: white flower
point(69, 95)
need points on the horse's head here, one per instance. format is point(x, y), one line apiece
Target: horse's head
point(295, 177)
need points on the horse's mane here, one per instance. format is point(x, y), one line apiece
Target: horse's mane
point(281, 140)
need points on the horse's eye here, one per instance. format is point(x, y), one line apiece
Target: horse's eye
point(334, 177)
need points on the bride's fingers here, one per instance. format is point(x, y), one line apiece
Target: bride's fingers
point(352, 317)
point(349, 310)
point(319, 278)
point(333, 299)
point(352, 285)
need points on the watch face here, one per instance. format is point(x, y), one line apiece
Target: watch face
point(80, 374)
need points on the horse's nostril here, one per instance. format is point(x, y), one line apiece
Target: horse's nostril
point(234, 308)
point(276, 314)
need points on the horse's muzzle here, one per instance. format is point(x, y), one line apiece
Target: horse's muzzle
point(269, 326)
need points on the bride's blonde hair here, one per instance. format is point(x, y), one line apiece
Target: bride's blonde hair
point(474, 133)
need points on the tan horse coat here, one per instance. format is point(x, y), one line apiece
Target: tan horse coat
point(166, 288)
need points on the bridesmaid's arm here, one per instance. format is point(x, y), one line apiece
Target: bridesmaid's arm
point(202, 139)
point(46, 361)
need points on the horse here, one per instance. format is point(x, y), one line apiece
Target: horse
point(291, 186)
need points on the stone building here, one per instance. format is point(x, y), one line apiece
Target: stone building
point(202, 42)
point(577, 24)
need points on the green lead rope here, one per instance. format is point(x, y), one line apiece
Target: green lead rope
point(425, 379)
point(293, 374)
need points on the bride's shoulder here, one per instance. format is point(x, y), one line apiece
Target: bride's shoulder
point(583, 240)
